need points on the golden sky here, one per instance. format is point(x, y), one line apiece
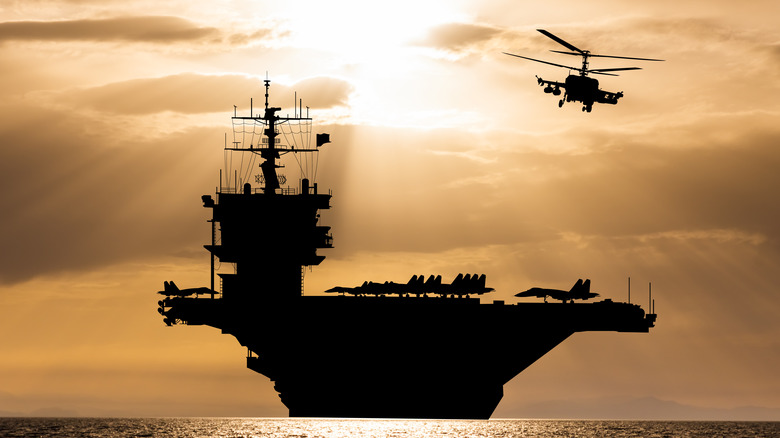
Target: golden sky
point(446, 158)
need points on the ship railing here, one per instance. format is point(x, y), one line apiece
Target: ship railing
point(281, 191)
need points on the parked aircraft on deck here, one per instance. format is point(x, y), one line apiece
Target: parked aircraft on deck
point(580, 291)
point(170, 289)
point(417, 285)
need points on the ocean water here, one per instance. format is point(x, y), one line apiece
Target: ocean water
point(327, 428)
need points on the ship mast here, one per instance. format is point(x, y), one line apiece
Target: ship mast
point(270, 154)
point(270, 151)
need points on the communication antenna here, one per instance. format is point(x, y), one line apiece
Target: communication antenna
point(267, 85)
point(629, 290)
point(650, 297)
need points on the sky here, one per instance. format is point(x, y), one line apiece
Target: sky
point(446, 157)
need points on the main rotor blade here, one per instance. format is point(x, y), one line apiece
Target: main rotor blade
point(543, 62)
point(600, 73)
point(614, 69)
point(559, 41)
point(568, 53)
point(625, 57)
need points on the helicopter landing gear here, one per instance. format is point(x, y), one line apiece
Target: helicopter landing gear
point(560, 103)
point(587, 108)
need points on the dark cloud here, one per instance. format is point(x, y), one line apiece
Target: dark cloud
point(196, 93)
point(642, 190)
point(773, 52)
point(153, 29)
point(83, 198)
point(140, 29)
point(88, 199)
point(455, 37)
point(634, 188)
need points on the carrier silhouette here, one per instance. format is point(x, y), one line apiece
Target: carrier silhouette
point(420, 349)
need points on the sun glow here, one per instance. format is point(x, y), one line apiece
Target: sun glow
point(378, 48)
point(365, 32)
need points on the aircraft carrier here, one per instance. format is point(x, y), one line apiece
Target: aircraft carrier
point(421, 349)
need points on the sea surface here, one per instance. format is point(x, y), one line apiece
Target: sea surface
point(326, 428)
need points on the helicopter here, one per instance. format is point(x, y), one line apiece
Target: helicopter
point(581, 88)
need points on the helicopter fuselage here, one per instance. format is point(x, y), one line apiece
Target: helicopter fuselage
point(580, 88)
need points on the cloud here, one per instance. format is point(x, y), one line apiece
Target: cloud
point(154, 29)
point(456, 37)
point(138, 29)
point(242, 39)
point(92, 195)
point(651, 187)
point(772, 51)
point(605, 36)
point(192, 93)
point(83, 198)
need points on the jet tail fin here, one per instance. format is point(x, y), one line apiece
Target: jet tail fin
point(457, 279)
point(576, 288)
point(165, 289)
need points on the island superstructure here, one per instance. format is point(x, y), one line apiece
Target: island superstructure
point(426, 348)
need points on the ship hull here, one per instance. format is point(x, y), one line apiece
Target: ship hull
point(399, 357)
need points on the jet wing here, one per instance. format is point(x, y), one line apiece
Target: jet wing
point(555, 294)
point(542, 293)
point(340, 289)
point(533, 292)
point(170, 289)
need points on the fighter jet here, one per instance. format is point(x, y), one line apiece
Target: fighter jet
point(465, 285)
point(367, 288)
point(348, 290)
point(417, 285)
point(170, 289)
point(414, 285)
point(580, 291)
